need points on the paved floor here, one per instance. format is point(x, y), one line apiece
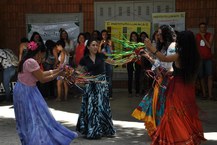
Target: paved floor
point(129, 130)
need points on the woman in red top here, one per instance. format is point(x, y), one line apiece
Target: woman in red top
point(79, 50)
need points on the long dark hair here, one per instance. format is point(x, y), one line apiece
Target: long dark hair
point(61, 31)
point(40, 38)
point(50, 45)
point(189, 55)
point(140, 36)
point(86, 50)
point(132, 33)
point(168, 36)
point(30, 54)
point(81, 34)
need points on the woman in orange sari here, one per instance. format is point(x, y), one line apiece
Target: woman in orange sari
point(180, 123)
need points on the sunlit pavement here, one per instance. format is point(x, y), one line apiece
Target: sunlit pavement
point(129, 130)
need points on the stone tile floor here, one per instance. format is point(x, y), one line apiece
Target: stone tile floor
point(129, 130)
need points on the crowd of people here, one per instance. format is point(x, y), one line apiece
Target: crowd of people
point(168, 108)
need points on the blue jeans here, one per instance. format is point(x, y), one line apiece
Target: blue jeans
point(8, 73)
point(205, 68)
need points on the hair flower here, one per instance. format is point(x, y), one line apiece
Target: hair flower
point(32, 46)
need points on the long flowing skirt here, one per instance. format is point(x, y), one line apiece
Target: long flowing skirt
point(95, 118)
point(35, 123)
point(180, 123)
point(151, 108)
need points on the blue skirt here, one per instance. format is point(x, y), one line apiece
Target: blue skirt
point(35, 123)
point(95, 118)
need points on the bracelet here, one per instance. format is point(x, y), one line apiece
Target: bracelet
point(155, 52)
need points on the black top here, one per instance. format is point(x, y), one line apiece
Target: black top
point(177, 71)
point(94, 68)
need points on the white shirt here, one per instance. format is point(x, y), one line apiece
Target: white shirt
point(69, 46)
point(5, 58)
point(66, 59)
point(167, 65)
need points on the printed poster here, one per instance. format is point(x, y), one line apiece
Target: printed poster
point(175, 20)
point(118, 29)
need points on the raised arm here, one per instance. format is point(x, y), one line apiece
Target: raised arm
point(158, 54)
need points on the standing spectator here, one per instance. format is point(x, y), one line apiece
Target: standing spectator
point(95, 119)
point(96, 35)
point(69, 44)
point(79, 50)
point(34, 122)
point(145, 65)
point(36, 37)
point(107, 47)
point(62, 85)
point(9, 69)
point(204, 43)
point(23, 47)
point(49, 64)
point(154, 39)
point(134, 65)
point(87, 37)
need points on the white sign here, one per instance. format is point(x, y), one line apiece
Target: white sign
point(51, 30)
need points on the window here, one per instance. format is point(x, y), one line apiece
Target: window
point(158, 9)
point(109, 11)
point(120, 11)
point(101, 11)
point(128, 11)
point(167, 8)
point(139, 10)
point(148, 10)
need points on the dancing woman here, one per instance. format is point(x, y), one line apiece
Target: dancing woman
point(35, 124)
point(151, 108)
point(180, 123)
point(95, 118)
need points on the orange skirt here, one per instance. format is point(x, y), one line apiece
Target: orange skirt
point(180, 124)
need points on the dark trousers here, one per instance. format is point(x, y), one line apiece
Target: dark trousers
point(109, 74)
point(130, 70)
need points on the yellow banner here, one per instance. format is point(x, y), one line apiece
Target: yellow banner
point(118, 29)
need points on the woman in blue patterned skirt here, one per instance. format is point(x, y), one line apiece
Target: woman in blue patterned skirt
point(95, 118)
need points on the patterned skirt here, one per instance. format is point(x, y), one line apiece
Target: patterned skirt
point(151, 108)
point(95, 118)
point(35, 123)
point(180, 123)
